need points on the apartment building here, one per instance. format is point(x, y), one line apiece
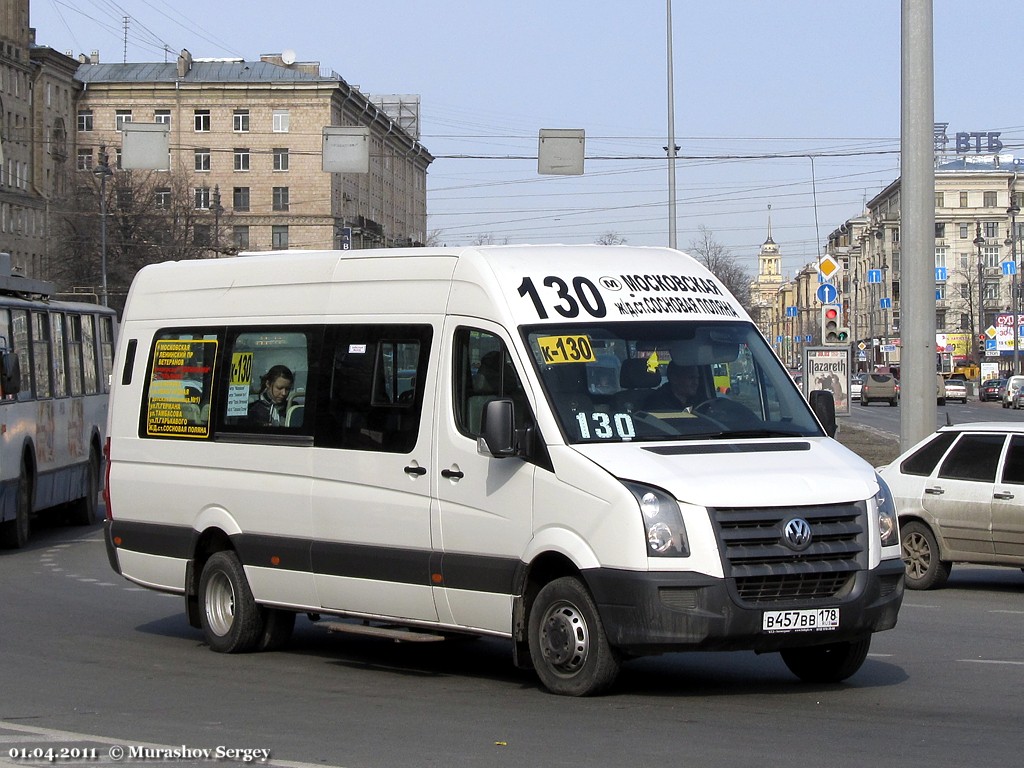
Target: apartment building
point(247, 139)
point(38, 94)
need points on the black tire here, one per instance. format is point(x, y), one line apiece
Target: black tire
point(831, 663)
point(14, 533)
point(232, 621)
point(920, 554)
point(278, 626)
point(568, 644)
point(892, 403)
point(84, 511)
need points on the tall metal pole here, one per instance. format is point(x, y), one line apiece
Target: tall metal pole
point(671, 133)
point(103, 169)
point(1013, 210)
point(917, 223)
point(978, 242)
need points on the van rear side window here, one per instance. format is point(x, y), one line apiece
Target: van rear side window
point(346, 386)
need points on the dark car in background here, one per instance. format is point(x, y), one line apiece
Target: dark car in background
point(990, 389)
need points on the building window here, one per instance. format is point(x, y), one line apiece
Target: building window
point(964, 231)
point(202, 159)
point(202, 120)
point(242, 159)
point(940, 200)
point(990, 256)
point(85, 120)
point(940, 230)
point(991, 291)
point(941, 253)
point(201, 234)
point(280, 198)
point(123, 198)
point(240, 199)
point(940, 292)
point(240, 237)
point(963, 199)
point(202, 198)
point(162, 197)
point(990, 200)
point(162, 116)
point(280, 158)
point(241, 121)
point(280, 121)
point(84, 160)
point(991, 230)
point(121, 117)
point(279, 236)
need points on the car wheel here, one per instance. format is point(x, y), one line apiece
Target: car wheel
point(892, 403)
point(920, 552)
point(232, 621)
point(831, 663)
point(568, 644)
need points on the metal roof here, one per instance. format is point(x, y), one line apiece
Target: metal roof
point(201, 72)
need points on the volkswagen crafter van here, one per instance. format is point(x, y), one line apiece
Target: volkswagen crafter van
point(485, 441)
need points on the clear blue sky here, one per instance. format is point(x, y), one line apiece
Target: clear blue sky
point(754, 79)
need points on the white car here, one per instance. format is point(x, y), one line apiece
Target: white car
point(959, 495)
point(856, 382)
point(956, 389)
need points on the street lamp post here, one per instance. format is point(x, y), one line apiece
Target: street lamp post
point(978, 242)
point(217, 209)
point(103, 170)
point(1011, 241)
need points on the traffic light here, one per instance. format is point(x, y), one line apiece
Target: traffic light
point(831, 330)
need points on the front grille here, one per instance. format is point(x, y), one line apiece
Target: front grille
point(765, 569)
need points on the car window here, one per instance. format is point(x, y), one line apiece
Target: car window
point(881, 378)
point(974, 457)
point(923, 461)
point(1013, 465)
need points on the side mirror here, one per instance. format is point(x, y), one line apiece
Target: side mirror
point(10, 373)
point(823, 404)
point(499, 434)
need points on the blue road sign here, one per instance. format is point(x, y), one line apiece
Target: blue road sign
point(1009, 268)
point(940, 274)
point(885, 303)
point(874, 275)
point(827, 293)
point(792, 311)
point(778, 339)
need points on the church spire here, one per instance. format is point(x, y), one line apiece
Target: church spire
point(769, 240)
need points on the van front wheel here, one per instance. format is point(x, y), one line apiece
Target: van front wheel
point(232, 621)
point(831, 663)
point(568, 645)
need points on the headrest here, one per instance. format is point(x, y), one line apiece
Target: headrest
point(634, 375)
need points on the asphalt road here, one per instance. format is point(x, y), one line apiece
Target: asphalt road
point(93, 662)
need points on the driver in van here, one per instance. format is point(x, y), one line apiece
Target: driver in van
point(269, 409)
point(681, 391)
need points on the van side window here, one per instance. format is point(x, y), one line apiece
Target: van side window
point(179, 384)
point(483, 372)
point(374, 379)
point(269, 382)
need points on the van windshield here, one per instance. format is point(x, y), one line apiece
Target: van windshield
point(666, 381)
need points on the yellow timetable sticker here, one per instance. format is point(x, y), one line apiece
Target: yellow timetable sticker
point(566, 349)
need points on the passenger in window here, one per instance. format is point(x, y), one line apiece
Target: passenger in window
point(269, 410)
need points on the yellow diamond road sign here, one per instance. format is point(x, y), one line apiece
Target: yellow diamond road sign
point(990, 332)
point(828, 266)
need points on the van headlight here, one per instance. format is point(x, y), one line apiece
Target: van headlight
point(888, 523)
point(663, 522)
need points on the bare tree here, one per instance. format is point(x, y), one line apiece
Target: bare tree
point(488, 239)
point(611, 238)
point(717, 258)
point(151, 217)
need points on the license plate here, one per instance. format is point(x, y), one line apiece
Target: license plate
point(811, 620)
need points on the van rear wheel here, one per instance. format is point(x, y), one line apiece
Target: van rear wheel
point(232, 621)
point(568, 644)
point(830, 663)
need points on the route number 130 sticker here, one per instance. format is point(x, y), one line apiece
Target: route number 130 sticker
point(568, 300)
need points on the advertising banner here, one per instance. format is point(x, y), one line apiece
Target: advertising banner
point(829, 368)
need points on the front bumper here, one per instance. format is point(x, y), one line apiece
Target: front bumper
point(656, 612)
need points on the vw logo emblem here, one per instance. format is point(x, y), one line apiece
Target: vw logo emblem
point(797, 534)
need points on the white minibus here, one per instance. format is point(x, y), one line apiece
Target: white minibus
point(523, 442)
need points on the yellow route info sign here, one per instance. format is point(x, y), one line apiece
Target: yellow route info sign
point(566, 349)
